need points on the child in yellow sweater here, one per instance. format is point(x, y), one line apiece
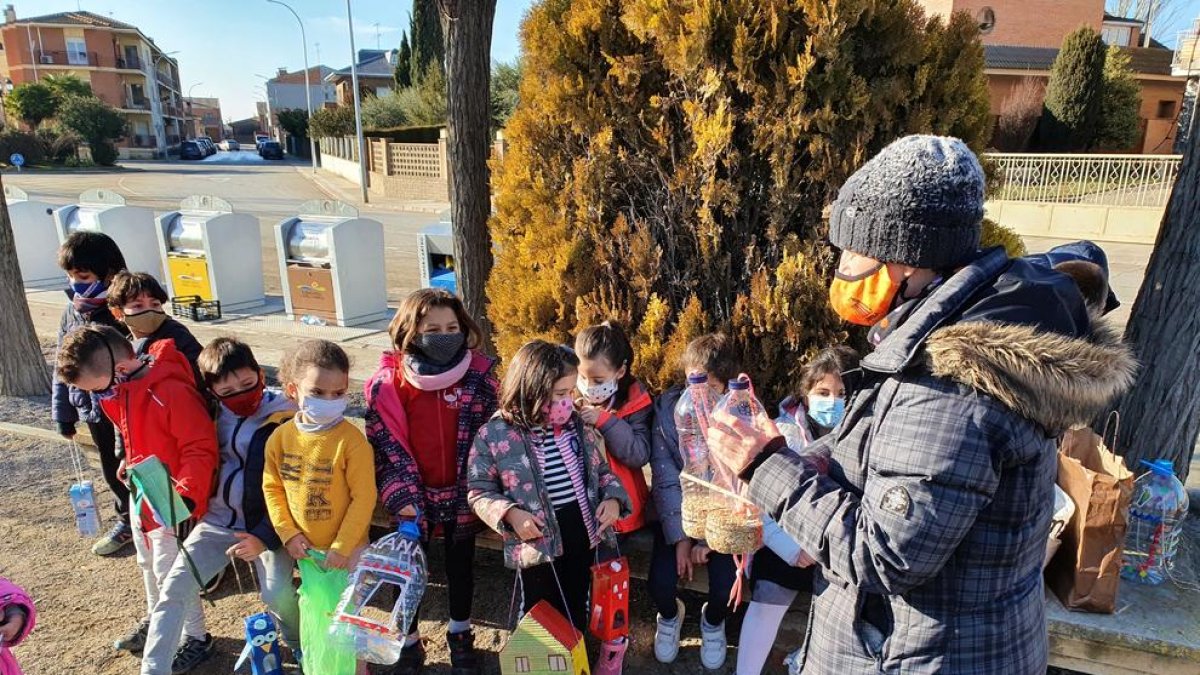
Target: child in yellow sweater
point(319, 481)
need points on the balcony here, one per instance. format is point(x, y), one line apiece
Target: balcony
point(166, 80)
point(142, 141)
point(68, 59)
point(141, 103)
point(129, 63)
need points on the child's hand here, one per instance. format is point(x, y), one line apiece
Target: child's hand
point(121, 472)
point(298, 546)
point(12, 625)
point(683, 558)
point(590, 414)
point(700, 555)
point(248, 548)
point(336, 561)
point(803, 560)
point(608, 513)
point(526, 525)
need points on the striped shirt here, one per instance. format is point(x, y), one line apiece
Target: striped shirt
point(559, 485)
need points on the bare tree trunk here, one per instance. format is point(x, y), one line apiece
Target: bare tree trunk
point(467, 26)
point(22, 366)
point(1160, 416)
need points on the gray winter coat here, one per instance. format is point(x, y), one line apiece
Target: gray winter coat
point(665, 466)
point(930, 528)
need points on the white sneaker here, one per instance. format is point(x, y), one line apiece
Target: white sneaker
point(666, 636)
point(712, 643)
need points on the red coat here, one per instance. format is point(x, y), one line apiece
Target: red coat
point(432, 431)
point(163, 414)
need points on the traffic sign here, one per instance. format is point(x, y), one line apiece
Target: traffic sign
point(17, 159)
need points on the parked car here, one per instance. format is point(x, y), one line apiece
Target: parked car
point(259, 139)
point(191, 150)
point(271, 150)
point(212, 147)
point(231, 145)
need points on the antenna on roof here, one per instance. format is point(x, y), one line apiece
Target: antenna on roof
point(377, 35)
point(318, 47)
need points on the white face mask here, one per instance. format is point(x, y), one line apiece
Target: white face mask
point(323, 412)
point(597, 393)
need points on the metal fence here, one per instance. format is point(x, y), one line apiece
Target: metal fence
point(1100, 180)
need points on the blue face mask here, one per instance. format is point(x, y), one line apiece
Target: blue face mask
point(827, 411)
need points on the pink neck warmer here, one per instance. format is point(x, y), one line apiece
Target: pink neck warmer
point(438, 382)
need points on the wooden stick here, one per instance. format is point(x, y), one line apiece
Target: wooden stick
point(714, 487)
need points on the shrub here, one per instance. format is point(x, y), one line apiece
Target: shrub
point(94, 120)
point(1120, 124)
point(104, 153)
point(383, 112)
point(669, 163)
point(332, 122)
point(1074, 95)
point(26, 143)
point(425, 103)
point(32, 103)
point(294, 121)
point(1019, 115)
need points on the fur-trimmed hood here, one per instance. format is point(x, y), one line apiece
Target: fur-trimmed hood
point(1052, 379)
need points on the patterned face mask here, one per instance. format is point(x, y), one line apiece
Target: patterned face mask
point(597, 393)
point(88, 296)
point(559, 412)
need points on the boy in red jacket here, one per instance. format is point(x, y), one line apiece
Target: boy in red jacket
point(154, 403)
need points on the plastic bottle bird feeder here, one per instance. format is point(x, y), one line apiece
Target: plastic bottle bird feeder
point(396, 561)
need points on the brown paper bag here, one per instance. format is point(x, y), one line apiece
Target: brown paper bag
point(1086, 571)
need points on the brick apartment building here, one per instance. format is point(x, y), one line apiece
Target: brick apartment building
point(123, 66)
point(1021, 40)
point(204, 118)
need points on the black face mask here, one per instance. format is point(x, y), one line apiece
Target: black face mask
point(439, 348)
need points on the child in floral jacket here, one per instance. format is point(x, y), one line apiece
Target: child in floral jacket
point(538, 477)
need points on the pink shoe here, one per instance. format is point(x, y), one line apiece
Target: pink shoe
point(612, 657)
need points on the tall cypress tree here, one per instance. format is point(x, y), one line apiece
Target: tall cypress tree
point(1075, 94)
point(428, 45)
point(403, 74)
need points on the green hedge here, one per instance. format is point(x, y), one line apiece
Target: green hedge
point(429, 134)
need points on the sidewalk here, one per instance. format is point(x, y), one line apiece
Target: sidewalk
point(346, 191)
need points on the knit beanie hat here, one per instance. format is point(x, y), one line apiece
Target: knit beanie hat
point(919, 202)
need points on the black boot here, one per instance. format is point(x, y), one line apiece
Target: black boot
point(412, 661)
point(463, 660)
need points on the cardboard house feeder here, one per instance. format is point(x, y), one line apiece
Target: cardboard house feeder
point(545, 643)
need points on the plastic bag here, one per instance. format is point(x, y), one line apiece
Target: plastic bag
point(320, 591)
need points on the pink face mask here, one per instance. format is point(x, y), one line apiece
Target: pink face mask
point(559, 412)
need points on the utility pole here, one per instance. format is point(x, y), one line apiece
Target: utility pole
point(362, 146)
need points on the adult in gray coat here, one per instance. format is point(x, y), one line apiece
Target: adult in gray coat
point(929, 528)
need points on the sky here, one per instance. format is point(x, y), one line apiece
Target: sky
point(225, 45)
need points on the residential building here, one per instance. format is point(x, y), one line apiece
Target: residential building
point(243, 130)
point(376, 75)
point(123, 66)
point(204, 118)
point(1187, 65)
point(1021, 40)
point(285, 91)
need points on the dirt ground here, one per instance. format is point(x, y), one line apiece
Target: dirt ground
point(85, 602)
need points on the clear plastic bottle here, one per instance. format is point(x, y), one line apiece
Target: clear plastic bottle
point(83, 498)
point(691, 423)
point(734, 525)
point(396, 560)
point(1156, 514)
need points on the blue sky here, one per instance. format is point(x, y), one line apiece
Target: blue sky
point(224, 44)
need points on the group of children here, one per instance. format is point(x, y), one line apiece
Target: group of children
point(552, 459)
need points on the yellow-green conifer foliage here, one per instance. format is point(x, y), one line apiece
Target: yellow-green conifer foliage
point(670, 159)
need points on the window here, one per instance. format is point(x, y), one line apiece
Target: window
point(1166, 110)
point(77, 52)
point(522, 664)
point(558, 663)
point(987, 20)
point(1116, 35)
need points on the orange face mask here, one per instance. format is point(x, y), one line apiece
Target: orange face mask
point(863, 299)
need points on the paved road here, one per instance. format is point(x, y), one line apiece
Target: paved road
point(270, 190)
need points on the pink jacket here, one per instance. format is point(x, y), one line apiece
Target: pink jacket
point(11, 594)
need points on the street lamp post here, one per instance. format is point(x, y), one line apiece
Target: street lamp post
point(362, 148)
point(312, 143)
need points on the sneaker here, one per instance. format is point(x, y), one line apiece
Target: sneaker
point(666, 636)
point(463, 659)
point(193, 652)
point(712, 643)
point(794, 662)
point(612, 657)
point(135, 640)
point(412, 661)
point(114, 540)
